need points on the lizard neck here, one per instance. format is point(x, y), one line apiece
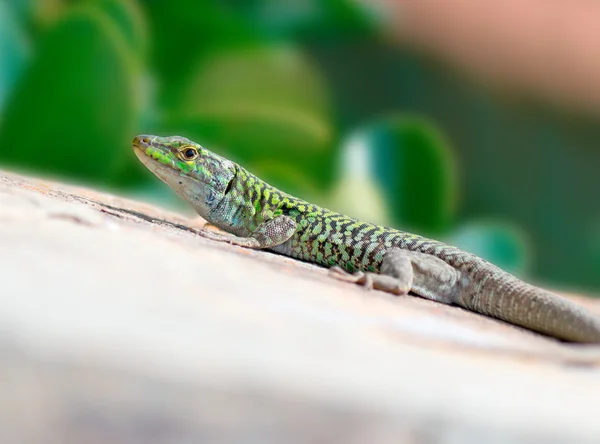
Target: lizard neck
point(248, 202)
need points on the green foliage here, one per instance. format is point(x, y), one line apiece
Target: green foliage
point(14, 51)
point(500, 243)
point(594, 251)
point(257, 102)
point(311, 20)
point(359, 196)
point(17, 8)
point(129, 18)
point(411, 163)
point(73, 112)
point(184, 34)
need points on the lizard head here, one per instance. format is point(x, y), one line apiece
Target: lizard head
point(197, 175)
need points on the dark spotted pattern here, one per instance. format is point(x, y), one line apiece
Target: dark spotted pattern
point(323, 236)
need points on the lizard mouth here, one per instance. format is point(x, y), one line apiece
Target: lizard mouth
point(153, 157)
point(164, 172)
point(150, 153)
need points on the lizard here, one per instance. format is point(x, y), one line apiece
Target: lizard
point(257, 215)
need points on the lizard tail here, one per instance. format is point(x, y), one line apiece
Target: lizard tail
point(512, 300)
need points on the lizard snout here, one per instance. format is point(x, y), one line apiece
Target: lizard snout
point(142, 141)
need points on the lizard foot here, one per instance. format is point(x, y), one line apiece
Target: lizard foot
point(371, 281)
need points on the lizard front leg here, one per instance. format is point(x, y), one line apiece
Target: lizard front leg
point(269, 234)
point(404, 271)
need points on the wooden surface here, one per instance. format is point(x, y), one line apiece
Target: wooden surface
point(118, 324)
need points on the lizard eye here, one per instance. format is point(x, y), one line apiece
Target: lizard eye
point(188, 154)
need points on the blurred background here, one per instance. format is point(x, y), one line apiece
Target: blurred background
point(471, 122)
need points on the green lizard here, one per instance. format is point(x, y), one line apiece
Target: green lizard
point(260, 216)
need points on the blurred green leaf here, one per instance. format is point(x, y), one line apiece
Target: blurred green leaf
point(360, 197)
point(257, 103)
point(131, 21)
point(14, 51)
point(594, 249)
point(18, 8)
point(411, 163)
point(184, 34)
point(311, 20)
point(74, 110)
point(128, 16)
point(500, 243)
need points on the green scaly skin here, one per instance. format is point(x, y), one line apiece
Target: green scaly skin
point(260, 216)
